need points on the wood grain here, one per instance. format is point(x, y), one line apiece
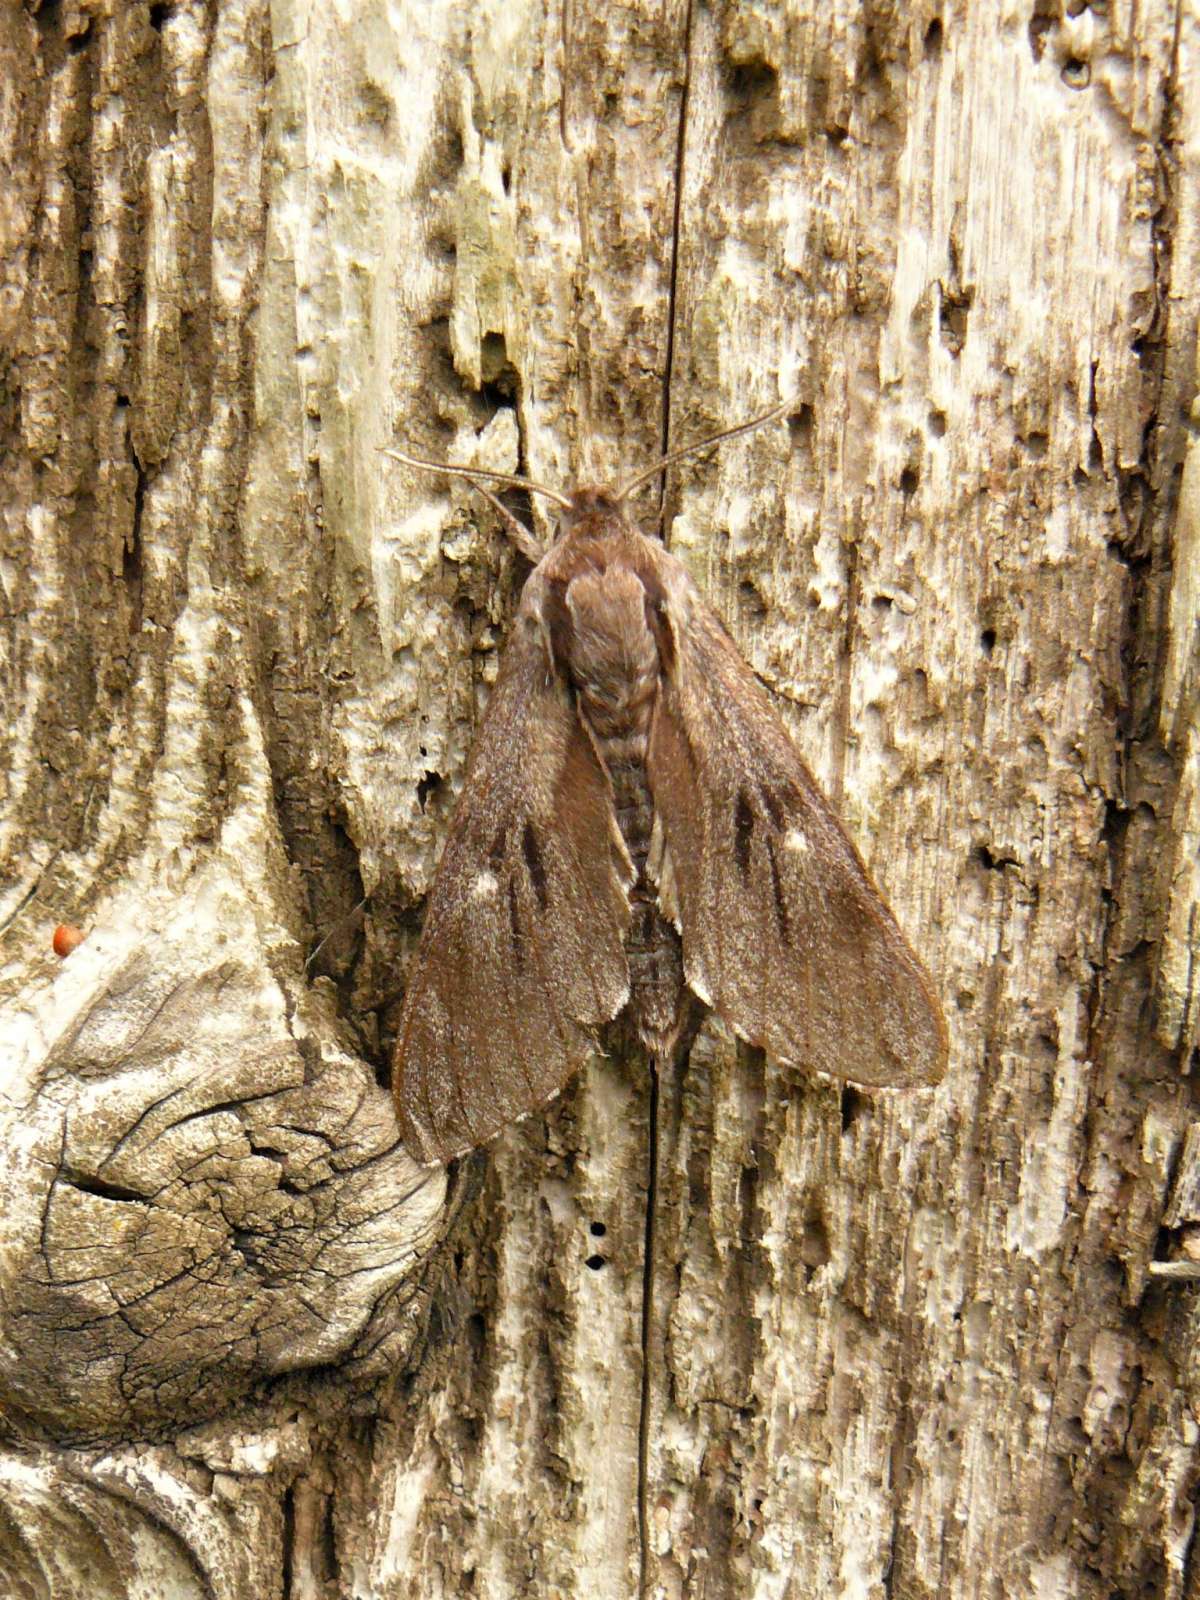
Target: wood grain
point(902, 1345)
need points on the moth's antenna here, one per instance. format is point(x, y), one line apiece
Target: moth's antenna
point(703, 444)
point(524, 538)
point(482, 475)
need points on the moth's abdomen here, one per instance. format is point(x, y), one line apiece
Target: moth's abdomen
point(612, 658)
point(659, 1003)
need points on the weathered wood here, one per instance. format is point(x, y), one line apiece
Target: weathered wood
point(896, 1345)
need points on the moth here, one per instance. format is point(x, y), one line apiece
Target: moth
point(636, 832)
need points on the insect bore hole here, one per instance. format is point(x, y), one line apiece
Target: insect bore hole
point(854, 1106)
point(597, 1230)
point(428, 785)
point(595, 1263)
point(814, 1244)
point(800, 426)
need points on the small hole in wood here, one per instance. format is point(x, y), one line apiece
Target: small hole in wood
point(854, 1106)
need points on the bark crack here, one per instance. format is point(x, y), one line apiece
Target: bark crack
point(650, 1231)
point(649, 1247)
point(676, 234)
point(841, 714)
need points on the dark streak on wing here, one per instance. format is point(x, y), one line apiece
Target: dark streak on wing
point(531, 850)
point(743, 827)
point(514, 923)
point(781, 910)
point(774, 806)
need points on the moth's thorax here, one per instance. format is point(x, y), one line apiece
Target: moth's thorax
point(604, 626)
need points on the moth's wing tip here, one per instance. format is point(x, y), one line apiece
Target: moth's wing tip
point(940, 1062)
point(430, 1152)
point(933, 1053)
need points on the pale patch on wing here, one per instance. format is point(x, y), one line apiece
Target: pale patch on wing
point(796, 839)
point(485, 885)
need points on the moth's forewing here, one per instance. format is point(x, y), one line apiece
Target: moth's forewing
point(784, 934)
point(522, 953)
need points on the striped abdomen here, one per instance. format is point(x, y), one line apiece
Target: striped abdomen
point(613, 659)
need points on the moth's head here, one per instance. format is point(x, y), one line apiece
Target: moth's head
point(591, 513)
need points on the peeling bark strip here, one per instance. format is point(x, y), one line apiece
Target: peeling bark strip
point(240, 248)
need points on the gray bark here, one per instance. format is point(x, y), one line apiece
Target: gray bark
point(895, 1345)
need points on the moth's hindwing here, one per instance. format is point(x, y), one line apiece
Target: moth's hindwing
point(784, 934)
point(522, 955)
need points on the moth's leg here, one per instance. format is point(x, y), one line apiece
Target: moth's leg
point(526, 541)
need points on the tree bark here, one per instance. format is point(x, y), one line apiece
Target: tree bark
point(937, 1344)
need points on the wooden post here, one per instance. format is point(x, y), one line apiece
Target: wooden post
point(896, 1344)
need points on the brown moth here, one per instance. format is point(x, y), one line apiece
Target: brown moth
point(636, 828)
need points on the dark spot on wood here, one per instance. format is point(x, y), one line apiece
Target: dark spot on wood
point(1041, 23)
point(532, 852)
point(953, 315)
point(990, 862)
point(429, 784)
point(801, 426)
point(854, 1105)
point(814, 1244)
point(597, 1230)
point(595, 1262)
point(751, 81)
point(501, 381)
point(743, 826)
